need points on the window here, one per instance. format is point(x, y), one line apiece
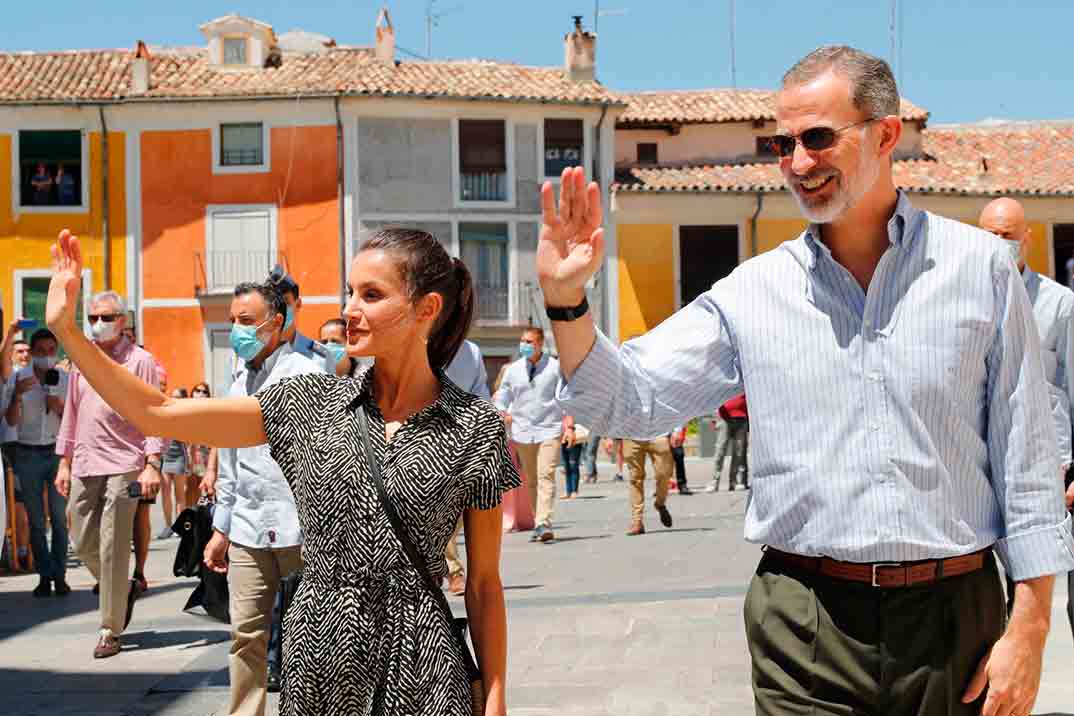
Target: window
point(764, 147)
point(31, 295)
point(706, 255)
point(50, 168)
point(241, 145)
point(647, 153)
point(485, 249)
point(564, 142)
point(234, 50)
point(240, 247)
point(483, 159)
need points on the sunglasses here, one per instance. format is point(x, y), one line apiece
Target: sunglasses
point(106, 317)
point(815, 139)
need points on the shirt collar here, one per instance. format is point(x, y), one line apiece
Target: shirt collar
point(450, 402)
point(270, 363)
point(901, 230)
point(120, 351)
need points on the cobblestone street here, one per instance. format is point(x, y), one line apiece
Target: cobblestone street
point(599, 623)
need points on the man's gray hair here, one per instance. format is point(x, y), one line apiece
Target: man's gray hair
point(121, 305)
point(872, 85)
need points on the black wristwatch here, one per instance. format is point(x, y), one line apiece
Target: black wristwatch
point(568, 314)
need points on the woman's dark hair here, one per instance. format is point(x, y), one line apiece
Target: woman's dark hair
point(202, 386)
point(426, 267)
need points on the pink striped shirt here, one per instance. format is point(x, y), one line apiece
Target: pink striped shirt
point(96, 439)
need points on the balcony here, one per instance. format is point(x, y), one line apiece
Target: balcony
point(484, 186)
point(218, 271)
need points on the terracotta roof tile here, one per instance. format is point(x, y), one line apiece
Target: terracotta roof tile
point(1018, 158)
point(715, 105)
point(104, 75)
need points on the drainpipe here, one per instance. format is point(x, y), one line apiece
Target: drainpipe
point(753, 224)
point(597, 176)
point(106, 241)
point(339, 204)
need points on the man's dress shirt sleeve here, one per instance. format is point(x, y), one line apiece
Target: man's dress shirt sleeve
point(225, 489)
point(1064, 404)
point(1021, 439)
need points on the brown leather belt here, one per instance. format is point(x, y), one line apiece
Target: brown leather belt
point(885, 574)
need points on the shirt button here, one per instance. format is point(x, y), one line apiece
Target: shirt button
point(272, 536)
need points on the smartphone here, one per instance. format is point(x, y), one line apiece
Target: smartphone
point(26, 324)
point(134, 489)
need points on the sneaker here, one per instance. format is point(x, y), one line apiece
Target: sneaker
point(457, 585)
point(543, 534)
point(636, 528)
point(166, 533)
point(133, 593)
point(684, 490)
point(62, 587)
point(107, 645)
point(665, 516)
point(618, 477)
point(714, 487)
point(43, 588)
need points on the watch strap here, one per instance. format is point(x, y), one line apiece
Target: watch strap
point(568, 314)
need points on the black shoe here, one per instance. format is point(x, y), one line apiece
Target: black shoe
point(273, 679)
point(684, 490)
point(132, 596)
point(97, 588)
point(43, 588)
point(665, 516)
point(62, 587)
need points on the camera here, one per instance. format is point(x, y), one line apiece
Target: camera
point(52, 377)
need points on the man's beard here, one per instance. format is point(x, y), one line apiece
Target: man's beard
point(845, 197)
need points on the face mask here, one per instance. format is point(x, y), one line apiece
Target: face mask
point(104, 332)
point(289, 319)
point(336, 352)
point(1015, 247)
point(244, 341)
point(526, 350)
point(45, 362)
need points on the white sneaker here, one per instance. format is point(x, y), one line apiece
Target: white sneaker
point(166, 533)
point(712, 487)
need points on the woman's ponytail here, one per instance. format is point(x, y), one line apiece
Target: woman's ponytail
point(451, 330)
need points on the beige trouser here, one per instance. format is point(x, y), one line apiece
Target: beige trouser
point(659, 451)
point(451, 553)
point(253, 580)
point(539, 462)
point(102, 526)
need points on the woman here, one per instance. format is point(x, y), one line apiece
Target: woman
point(199, 455)
point(175, 473)
point(362, 623)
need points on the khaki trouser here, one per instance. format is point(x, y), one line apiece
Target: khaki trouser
point(253, 579)
point(539, 462)
point(659, 451)
point(102, 525)
point(451, 553)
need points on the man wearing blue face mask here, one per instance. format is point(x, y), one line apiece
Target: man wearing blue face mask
point(527, 399)
point(256, 537)
point(1053, 312)
point(331, 359)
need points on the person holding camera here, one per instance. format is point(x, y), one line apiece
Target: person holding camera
point(106, 465)
point(35, 412)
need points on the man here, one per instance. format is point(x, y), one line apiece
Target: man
point(466, 370)
point(900, 426)
point(677, 442)
point(736, 415)
point(256, 537)
point(14, 355)
point(659, 451)
point(303, 345)
point(527, 400)
point(1053, 311)
point(101, 456)
point(35, 412)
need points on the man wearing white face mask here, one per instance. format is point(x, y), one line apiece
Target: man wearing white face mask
point(1053, 312)
point(527, 398)
point(102, 456)
point(256, 536)
point(35, 412)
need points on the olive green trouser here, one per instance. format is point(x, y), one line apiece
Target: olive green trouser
point(823, 646)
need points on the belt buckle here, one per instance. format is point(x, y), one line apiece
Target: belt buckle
point(878, 565)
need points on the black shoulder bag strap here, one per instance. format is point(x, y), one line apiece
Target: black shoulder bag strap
point(458, 626)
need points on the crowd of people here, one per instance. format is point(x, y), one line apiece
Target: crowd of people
point(909, 423)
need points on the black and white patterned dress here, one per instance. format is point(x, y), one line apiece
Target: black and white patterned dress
point(362, 619)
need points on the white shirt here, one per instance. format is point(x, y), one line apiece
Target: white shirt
point(254, 503)
point(37, 424)
point(467, 370)
point(535, 414)
point(8, 433)
point(1053, 311)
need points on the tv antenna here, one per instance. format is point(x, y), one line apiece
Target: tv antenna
point(608, 12)
point(432, 19)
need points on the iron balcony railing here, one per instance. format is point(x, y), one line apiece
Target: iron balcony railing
point(484, 186)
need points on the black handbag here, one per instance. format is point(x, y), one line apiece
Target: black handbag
point(195, 528)
point(458, 626)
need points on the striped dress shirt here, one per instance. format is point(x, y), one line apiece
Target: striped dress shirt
point(1053, 310)
point(907, 422)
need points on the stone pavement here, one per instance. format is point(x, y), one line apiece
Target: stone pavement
point(599, 624)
